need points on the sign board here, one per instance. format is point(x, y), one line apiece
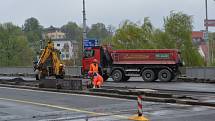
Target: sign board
point(205, 36)
point(90, 43)
point(209, 22)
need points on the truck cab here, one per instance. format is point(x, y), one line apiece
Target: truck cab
point(101, 54)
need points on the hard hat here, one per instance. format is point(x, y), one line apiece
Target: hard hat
point(95, 61)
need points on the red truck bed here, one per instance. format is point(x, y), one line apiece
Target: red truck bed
point(152, 56)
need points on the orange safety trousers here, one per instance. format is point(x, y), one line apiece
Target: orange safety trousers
point(98, 81)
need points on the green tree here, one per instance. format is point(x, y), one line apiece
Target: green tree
point(14, 50)
point(72, 30)
point(134, 36)
point(33, 31)
point(211, 37)
point(179, 28)
point(162, 40)
point(98, 31)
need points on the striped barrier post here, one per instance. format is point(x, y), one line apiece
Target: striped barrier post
point(140, 116)
point(140, 106)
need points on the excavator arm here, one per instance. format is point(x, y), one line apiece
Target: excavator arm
point(57, 64)
point(45, 54)
point(56, 68)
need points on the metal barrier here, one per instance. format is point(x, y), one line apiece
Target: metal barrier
point(73, 70)
point(70, 70)
point(16, 70)
point(200, 72)
point(190, 72)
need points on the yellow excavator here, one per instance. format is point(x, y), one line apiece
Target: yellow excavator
point(49, 63)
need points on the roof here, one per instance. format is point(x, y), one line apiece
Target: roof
point(51, 29)
point(65, 39)
point(197, 34)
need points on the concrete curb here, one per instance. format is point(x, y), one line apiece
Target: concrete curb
point(130, 92)
point(195, 80)
point(114, 95)
point(33, 75)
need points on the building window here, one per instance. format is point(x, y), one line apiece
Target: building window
point(58, 45)
point(67, 55)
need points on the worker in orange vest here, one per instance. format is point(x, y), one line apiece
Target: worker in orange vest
point(97, 80)
point(94, 67)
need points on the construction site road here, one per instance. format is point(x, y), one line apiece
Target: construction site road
point(137, 82)
point(185, 86)
point(31, 105)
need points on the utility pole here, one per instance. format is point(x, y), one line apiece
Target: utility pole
point(84, 25)
point(206, 37)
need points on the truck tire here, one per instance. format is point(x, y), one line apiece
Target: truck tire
point(148, 75)
point(126, 78)
point(117, 75)
point(165, 75)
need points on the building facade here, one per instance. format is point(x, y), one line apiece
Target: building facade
point(67, 47)
point(198, 39)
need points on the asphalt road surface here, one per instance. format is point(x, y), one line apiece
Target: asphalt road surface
point(29, 105)
point(137, 82)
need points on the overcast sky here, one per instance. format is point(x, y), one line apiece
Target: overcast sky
point(59, 12)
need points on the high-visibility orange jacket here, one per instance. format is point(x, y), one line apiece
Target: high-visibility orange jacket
point(94, 68)
point(97, 80)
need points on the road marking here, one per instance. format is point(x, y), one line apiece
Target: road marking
point(83, 95)
point(64, 108)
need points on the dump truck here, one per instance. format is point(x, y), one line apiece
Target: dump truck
point(49, 63)
point(150, 64)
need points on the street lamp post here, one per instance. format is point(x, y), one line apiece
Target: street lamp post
point(206, 27)
point(84, 25)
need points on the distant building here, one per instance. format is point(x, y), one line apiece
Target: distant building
point(203, 50)
point(198, 39)
point(67, 47)
point(54, 33)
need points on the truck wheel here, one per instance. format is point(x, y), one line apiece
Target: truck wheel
point(165, 75)
point(117, 75)
point(126, 78)
point(148, 75)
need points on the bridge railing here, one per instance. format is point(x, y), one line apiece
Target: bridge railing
point(200, 72)
point(190, 72)
point(69, 70)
